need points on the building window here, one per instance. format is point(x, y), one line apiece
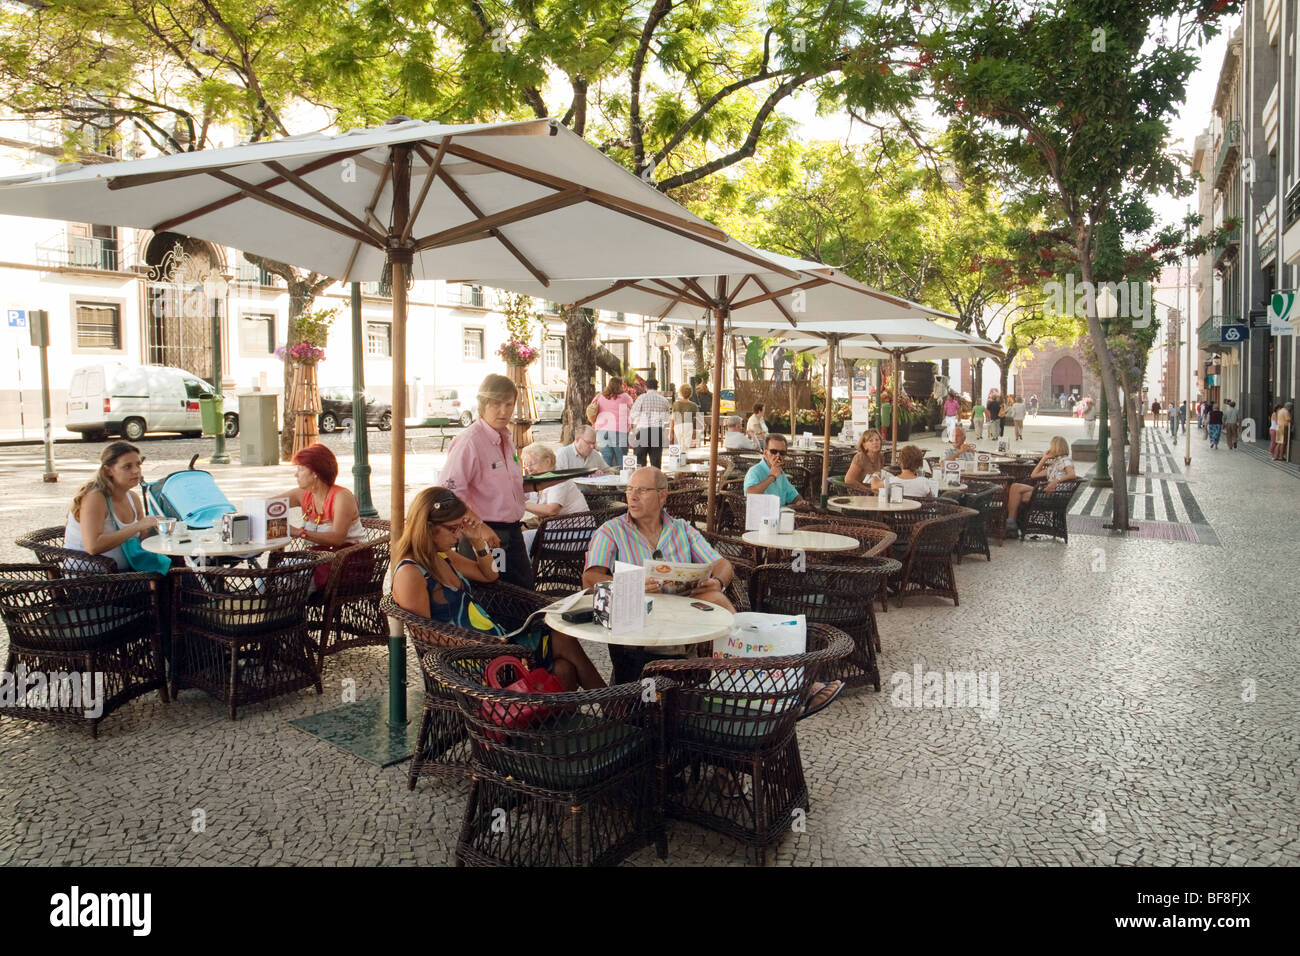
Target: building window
point(379, 339)
point(473, 344)
point(620, 351)
point(256, 334)
point(554, 352)
point(99, 326)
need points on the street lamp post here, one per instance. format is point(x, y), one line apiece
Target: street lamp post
point(1106, 306)
point(214, 286)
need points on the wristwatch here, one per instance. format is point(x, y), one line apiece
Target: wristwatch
point(482, 554)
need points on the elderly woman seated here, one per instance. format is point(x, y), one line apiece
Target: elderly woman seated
point(915, 485)
point(561, 498)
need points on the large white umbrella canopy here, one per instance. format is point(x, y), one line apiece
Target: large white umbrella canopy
point(512, 201)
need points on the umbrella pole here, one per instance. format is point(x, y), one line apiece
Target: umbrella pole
point(719, 323)
point(830, 406)
point(400, 257)
point(893, 411)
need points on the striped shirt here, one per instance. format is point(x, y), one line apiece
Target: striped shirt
point(618, 539)
point(650, 410)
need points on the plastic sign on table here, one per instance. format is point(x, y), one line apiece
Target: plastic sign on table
point(268, 518)
point(760, 509)
point(984, 461)
point(952, 472)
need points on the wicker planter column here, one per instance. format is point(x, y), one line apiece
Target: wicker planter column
point(304, 399)
point(525, 415)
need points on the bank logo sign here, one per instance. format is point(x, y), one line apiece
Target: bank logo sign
point(1232, 334)
point(1281, 312)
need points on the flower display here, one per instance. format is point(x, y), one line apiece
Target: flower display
point(304, 353)
point(518, 352)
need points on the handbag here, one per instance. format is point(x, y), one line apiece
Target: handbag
point(137, 558)
point(593, 411)
point(525, 681)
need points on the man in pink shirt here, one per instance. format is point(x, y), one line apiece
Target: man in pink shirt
point(483, 469)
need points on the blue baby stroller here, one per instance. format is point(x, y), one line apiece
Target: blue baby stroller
point(190, 495)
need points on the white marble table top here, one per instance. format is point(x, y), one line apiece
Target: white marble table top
point(802, 540)
point(673, 621)
point(208, 544)
point(870, 503)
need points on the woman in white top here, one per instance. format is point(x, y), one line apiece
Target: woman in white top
point(1055, 465)
point(91, 527)
point(561, 498)
point(911, 460)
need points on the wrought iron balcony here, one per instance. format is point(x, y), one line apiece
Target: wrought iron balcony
point(80, 252)
point(1229, 153)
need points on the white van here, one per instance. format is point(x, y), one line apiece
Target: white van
point(130, 400)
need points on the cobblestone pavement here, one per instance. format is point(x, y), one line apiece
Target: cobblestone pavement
point(1145, 714)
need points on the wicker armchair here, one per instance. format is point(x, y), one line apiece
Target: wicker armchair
point(566, 779)
point(241, 633)
point(689, 500)
point(1018, 470)
point(85, 626)
point(979, 497)
point(874, 538)
point(345, 613)
point(442, 748)
point(730, 518)
point(733, 762)
point(800, 477)
point(1045, 512)
point(560, 550)
point(47, 543)
point(809, 462)
point(927, 561)
point(832, 595)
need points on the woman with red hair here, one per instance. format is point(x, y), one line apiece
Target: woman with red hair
point(329, 512)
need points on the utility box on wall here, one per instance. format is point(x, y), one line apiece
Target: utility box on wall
point(259, 439)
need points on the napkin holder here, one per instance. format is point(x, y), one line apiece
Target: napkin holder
point(236, 529)
point(786, 525)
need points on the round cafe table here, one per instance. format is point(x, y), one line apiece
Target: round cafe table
point(207, 544)
point(602, 481)
point(801, 540)
point(673, 621)
point(848, 505)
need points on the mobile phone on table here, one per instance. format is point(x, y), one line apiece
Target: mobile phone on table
point(702, 605)
point(584, 616)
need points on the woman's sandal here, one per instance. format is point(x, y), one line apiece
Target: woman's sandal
point(822, 698)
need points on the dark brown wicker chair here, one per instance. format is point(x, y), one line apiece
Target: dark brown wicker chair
point(927, 560)
point(832, 595)
point(731, 730)
point(82, 626)
point(560, 550)
point(1045, 512)
point(1018, 470)
point(731, 513)
point(47, 543)
point(442, 748)
point(241, 633)
point(689, 500)
point(345, 613)
point(874, 538)
point(979, 497)
point(567, 779)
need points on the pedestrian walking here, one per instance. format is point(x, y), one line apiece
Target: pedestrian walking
point(1272, 432)
point(608, 412)
point(1155, 412)
point(1018, 417)
point(1283, 450)
point(994, 414)
point(1182, 415)
point(1231, 423)
point(977, 418)
point(1215, 419)
point(951, 406)
point(1200, 416)
point(649, 418)
point(1033, 405)
point(1089, 416)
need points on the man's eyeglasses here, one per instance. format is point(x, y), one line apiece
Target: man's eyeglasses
point(779, 452)
point(634, 491)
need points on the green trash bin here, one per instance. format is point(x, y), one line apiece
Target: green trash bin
point(210, 412)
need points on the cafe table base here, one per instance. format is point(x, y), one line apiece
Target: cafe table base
point(362, 729)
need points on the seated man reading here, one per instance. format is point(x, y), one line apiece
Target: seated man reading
point(643, 533)
point(768, 477)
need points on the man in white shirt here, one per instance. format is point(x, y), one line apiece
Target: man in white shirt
point(735, 439)
point(649, 418)
point(757, 427)
point(582, 453)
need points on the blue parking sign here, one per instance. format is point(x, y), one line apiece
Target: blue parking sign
point(17, 318)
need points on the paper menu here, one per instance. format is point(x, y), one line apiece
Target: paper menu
point(268, 518)
point(627, 598)
point(952, 471)
point(758, 507)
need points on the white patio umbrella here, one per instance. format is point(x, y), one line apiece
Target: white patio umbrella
point(910, 339)
point(516, 201)
point(792, 296)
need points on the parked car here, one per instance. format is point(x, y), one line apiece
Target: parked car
point(131, 400)
point(550, 407)
point(336, 408)
point(456, 403)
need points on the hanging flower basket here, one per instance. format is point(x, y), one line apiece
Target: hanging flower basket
point(519, 353)
point(304, 353)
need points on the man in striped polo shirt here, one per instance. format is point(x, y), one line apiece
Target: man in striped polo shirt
point(645, 533)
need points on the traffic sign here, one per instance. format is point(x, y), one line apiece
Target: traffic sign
point(1231, 334)
point(17, 318)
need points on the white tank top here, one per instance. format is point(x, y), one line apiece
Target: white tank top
point(72, 533)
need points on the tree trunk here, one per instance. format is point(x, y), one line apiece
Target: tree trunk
point(582, 372)
point(977, 381)
point(1132, 414)
point(1118, 458)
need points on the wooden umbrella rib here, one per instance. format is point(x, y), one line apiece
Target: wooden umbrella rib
point(776, 302)
point(480, 227)
point(460, 194)
point(679, 295)
point(370, 214)
point(285, 205)
point(736, 291)
point(435, 166)
point(772, 295)
point(557, 182)
point(695, 286)
point(316, 194)
point(620, 284)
